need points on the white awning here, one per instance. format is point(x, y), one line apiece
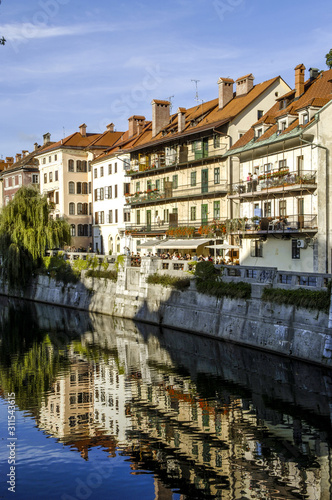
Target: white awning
point(223, 246)
point(149, 244)
point(182, 244)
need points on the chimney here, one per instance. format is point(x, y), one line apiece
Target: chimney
point(47, 138)
point(25, 153)
point(299, 80)
point(313, 72)
point(160, 115)
point(110, 127)
point(18, 157)
point(225, 91)
point(36, 145)
point(83, 129)
point(9, 160)
point(181, 119)
point(244, 84)
point(135, 125)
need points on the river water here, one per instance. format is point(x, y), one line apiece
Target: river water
point(94, 407)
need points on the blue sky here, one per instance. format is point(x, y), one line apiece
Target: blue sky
point(72, 61)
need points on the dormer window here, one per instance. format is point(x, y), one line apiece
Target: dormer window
point(283, 125)
point(305, 118)
point(259, 132)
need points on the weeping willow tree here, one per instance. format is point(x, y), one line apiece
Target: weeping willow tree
point(26, 231)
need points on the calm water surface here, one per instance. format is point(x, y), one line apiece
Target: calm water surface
point(112, 409)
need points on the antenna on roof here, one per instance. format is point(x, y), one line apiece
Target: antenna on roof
point(171, 104)
point(196, 95)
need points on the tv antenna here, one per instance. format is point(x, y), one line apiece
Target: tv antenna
point(171, 104)
point(196, 95)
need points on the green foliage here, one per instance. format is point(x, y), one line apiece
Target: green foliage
point(308, 299)
point(26, 231)
point(105, 264)
point(56, 267)
point(170, 281)
point(328, 57)
point(92, 262)
point(109, 275)
point(80, 264)
point(209, 283)
point(119, 262)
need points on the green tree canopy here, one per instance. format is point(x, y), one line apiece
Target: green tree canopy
point(26, 231)
point(329, 59)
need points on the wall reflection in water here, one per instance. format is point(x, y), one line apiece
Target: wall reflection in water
point(209, 419)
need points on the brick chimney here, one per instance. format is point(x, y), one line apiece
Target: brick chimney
point(47, 138)
point(83, 129)
point(110, 127)
point(299, 80)
point(160, 115)
point(9, 160)
point(135, 125)
point(25, 153)
point(225, 91)
point(244, 84)
point(181, 119)
point(36, 145)
point(18, 157)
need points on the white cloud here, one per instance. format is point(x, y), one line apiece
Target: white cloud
point(29, 31)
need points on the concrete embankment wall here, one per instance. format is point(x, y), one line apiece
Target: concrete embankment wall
point(297, 333)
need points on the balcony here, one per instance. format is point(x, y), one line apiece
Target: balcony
point(154, 196)
point(286, 225)
point(274, 181)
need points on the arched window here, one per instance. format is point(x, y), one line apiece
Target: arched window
point(70, 165)
point(71, 188)
point(84, 188)
point(85, 229)
point(78, 187)
point(85, 209)
point(72, 230)
point(84, 166)
point(80, 230)
point(78, 166)
point(118, 244)
point(71, 208)
point(79, 209)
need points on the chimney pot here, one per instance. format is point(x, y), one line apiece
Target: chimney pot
point(244, 84)
point(160, 115)
point(83, 129)
point(299, 80)
point(225, 91)
point(135, 125)
point(46, 138)
point(110, 127)
point(18, 157)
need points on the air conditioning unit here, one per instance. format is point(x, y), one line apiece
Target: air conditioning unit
point(301, 244)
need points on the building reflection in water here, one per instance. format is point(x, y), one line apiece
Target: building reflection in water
point(209, 419)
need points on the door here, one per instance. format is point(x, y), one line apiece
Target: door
point(205, 148)
point(205, 180)
point(300, 207)
point(204, 214)
point(148, 220)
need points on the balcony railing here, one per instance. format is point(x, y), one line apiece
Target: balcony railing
point(273, 180)
point(180, 192)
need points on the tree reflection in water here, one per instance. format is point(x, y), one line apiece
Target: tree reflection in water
point(208, 419)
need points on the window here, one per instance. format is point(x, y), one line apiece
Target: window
point(78, 166)
point(260, 113)
point(79, 208)
point(217, 175)
point(56, 175)
point(78, 187)
point(267, 209)
point(282, 208)
point(44, 161)
point(35, 179)
point(116, 215)
point(90, 188)
point(283, 125)
point(115, 191)
point(101, 171)
point(115, 167)
point(84, 208)
point(192, 213)
point(57, 197)
point(267, 167)
point(259, 132)
point(138, 187)
point(175, 179)
point(71, 187)
point(110, 217)
point(90, 208)
point(109, 169)
point(72, 230)
point(80, 230)
point(45, 178)
point(282, 164)
point(101, 218)
point(95, 173)
point(101, 193)
point(84, 188)
point(216, 141)
point(96, 218)
point(71, 208)
point(256, 248)
point(158, 184)
point(300, 164)
point(20, 179)
point(138, 217)
point(216, 209)
point(305, 118)
point(70, 165)
point(193, 178)
point(108, 192)
point(55, 157)
point(295, 250)
point(126, 216)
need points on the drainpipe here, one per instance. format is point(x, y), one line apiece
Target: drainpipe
point(313, 145)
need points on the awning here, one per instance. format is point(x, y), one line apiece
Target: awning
point(149, 244)
point(223, 246)
point(182, 244)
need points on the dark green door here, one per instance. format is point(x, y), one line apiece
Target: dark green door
point(204, 214)
point(205, 180)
